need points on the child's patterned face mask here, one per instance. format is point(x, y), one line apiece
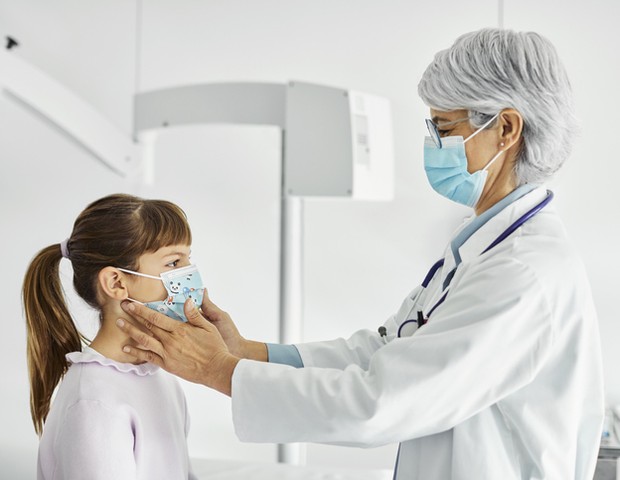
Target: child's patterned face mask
point(181, 284)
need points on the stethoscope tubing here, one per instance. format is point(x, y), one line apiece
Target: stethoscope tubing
point(503, 236)
point(520, 221)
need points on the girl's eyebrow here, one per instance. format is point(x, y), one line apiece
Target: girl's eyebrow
point(175, 254)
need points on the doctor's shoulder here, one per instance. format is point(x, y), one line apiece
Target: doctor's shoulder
point(539, 254)
point(543, 252)
point(545, 246)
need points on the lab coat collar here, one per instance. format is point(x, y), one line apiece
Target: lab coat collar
point(494, 226)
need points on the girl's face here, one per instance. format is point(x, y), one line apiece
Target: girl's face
point(166, 258)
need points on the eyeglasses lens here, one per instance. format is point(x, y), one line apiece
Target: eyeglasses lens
point(432, 130)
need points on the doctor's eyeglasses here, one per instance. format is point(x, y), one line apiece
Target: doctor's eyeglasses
point(433, 129)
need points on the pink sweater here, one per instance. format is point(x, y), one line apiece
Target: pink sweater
point(113, 420)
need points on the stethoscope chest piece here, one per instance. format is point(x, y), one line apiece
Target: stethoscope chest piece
point(407, 328)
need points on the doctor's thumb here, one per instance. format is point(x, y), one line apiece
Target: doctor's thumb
point(192, 313)
point(210, 310)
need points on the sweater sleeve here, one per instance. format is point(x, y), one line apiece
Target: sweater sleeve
point(95, 442)
point(191, 474)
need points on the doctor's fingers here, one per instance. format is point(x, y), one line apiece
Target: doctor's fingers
point(144, 356)
point(228, 330)
point(154, 321)
point(212, 312)
point(194, 315)
point(150, 348)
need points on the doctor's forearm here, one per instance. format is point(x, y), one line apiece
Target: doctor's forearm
point(253, 350)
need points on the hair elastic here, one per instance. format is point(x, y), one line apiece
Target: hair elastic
point(64, 248)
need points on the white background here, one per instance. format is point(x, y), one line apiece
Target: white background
point(361, 258)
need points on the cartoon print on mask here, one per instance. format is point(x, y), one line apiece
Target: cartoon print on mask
point(162, 309)
point(181, 284)
point(192, 298)
point(187, 282)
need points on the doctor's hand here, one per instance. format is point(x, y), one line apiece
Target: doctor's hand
point(194, 350)
point(237, 345)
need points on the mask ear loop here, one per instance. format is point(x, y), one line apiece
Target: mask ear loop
point(481, 128)
point(131, 272)
point(139, 274)
point(493, 159)
point(135, 301)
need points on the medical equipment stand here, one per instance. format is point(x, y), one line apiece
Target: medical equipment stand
point(291, 296)
point(336, 143)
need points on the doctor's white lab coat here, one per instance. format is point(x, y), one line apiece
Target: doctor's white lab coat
point(503, 382)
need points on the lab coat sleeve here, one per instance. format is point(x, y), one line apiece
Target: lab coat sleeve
point(95, 442)
point(341, 353)
point(488, 339)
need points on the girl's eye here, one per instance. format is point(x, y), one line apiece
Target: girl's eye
point(443, 133)
point(173, 264)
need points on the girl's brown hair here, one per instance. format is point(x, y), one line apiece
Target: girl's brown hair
point(112, 231)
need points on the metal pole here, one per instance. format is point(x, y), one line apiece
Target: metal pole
point(291, 296)
point(291, 270)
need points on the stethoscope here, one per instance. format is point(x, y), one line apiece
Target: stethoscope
point(420, 318)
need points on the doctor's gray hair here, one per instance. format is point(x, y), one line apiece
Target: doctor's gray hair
point(492, 69)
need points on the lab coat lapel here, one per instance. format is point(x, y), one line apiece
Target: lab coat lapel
point(488, 232)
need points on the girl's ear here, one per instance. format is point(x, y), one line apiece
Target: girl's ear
point(112, 283)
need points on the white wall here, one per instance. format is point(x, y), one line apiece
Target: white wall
point(361, 258)
point(587, 36)
point(227, 179)
point(46, 180)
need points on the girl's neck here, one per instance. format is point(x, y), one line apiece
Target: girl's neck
point(110, 340)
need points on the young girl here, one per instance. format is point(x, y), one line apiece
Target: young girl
point(110, 419)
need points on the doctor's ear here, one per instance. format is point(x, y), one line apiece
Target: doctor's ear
point(510, 128)
point(112, 283)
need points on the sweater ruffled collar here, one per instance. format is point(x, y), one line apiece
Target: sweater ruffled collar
point(90, 355)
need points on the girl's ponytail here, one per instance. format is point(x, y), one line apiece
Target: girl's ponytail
point(51, 331)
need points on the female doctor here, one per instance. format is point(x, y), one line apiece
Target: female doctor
point(491, 368)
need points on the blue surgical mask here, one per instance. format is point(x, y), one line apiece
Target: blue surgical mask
point(446, 169)
point(181, 284)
